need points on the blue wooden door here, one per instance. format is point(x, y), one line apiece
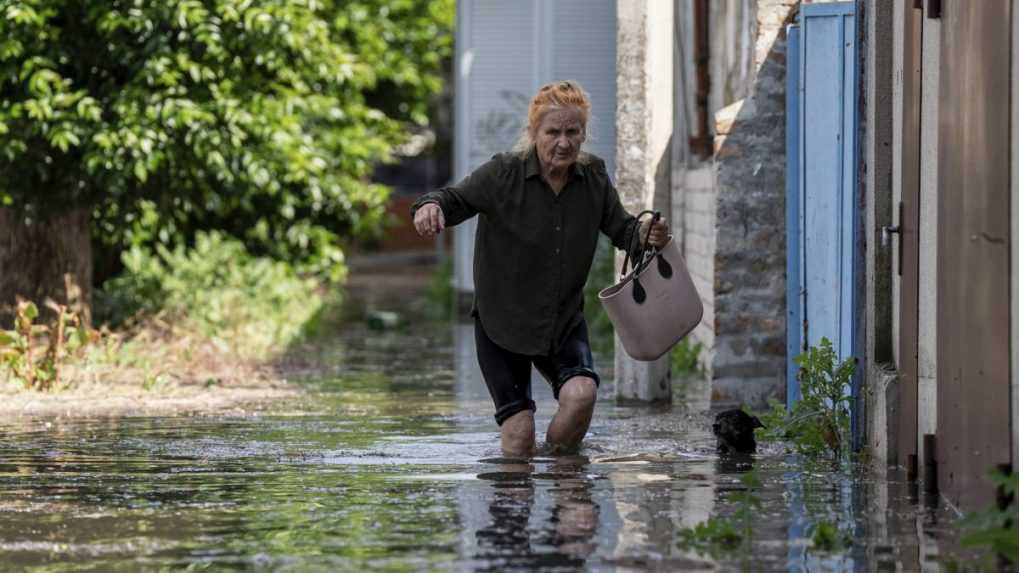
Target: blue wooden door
point(824, 225)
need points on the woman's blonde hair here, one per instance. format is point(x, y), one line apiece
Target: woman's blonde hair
point(556, 95)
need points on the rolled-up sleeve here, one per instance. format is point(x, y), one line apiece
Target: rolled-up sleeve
point(470, 196)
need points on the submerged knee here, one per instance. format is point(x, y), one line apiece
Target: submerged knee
point(579, 392)
point(518, 434)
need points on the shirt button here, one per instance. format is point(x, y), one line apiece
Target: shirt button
point(557, 251)
point(557, 227)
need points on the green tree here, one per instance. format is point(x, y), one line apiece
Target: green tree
point(150, 120)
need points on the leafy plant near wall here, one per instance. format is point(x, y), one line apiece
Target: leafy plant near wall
point(818, 424)
point(827, 537)
point(33, 353)
point(997, 528)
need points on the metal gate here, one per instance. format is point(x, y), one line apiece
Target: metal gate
point(823, 218)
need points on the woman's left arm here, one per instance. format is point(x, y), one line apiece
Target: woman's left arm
point(618, 224)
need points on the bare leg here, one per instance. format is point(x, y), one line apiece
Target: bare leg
point(576, 406)
point(518, 435)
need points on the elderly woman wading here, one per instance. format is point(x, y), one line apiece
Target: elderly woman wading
point(541, 208)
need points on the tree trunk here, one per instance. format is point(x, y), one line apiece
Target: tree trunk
point(45, 259)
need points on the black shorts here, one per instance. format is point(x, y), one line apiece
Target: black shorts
point(508, 374)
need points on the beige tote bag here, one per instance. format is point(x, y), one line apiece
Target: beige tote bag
point(654, 305)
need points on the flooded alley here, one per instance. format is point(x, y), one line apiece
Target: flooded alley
point(391, 463)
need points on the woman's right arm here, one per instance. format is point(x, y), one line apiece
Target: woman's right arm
point(460, 202)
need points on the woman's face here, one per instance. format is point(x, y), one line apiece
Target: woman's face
point(558, 137)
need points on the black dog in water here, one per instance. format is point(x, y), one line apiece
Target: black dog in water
point(735, 432)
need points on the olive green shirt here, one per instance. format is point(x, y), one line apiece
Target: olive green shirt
point(534, 248)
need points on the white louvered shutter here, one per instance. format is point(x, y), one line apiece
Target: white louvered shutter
point(505, 51)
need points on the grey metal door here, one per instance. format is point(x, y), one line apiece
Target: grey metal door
point(973, 249)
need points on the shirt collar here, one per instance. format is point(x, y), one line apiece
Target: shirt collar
point(532, 167)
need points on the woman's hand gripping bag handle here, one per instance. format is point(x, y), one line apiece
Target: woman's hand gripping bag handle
point(655, 303)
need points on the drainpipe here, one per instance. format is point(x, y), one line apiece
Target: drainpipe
point(701, 143)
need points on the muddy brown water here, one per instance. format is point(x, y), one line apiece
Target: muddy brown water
point(391, 464)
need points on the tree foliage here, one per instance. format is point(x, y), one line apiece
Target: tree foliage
point(261, 118)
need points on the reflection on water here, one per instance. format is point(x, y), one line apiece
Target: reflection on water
point(562, 533)
point(393, 464)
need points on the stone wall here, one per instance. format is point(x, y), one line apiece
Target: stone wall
point(748, 363)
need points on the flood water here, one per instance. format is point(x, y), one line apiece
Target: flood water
point(392, 464)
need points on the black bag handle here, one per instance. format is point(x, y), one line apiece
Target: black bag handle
point(648, 253)
point(647, 250)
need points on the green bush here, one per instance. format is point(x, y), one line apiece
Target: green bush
point(217, 287)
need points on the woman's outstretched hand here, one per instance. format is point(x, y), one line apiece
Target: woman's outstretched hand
point(659, 232)
point(429, 220)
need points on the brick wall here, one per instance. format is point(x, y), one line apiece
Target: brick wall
point(694, 209)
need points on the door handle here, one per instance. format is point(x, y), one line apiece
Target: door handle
point(887, 231)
